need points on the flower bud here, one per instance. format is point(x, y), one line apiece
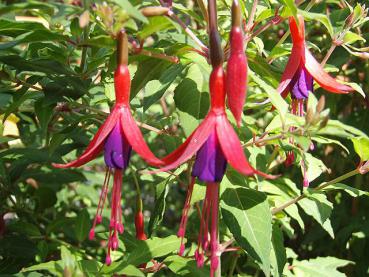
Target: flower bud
point(139, 223)
point(321, 104)
point(154, 11)
point(324, 122)
point(309, 117)
point(236, 82)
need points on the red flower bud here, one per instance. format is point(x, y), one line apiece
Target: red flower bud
point(236, 82)
point(139, 223)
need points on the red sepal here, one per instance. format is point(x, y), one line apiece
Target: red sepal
point(323, 78)
point(297, 54)
point(178, 152)
point(190, 147)
point(232, 149)
point(236, 80)
point(95, 146)
point(135, 138)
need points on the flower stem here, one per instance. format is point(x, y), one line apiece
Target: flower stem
point(329, 53)
point(287, 33)
point(322, 186)
point(250, 21)
point(85, 37)
point(173, 16)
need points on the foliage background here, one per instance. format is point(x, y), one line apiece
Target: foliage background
point(56, 87)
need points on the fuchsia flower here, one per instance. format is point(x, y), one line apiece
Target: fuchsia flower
point(215, 144)
point(118, 135)
point(302, 69)
point(298, 78)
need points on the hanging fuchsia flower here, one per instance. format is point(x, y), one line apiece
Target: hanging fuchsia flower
point(236, 80)
point(302, 69)
point(215, 144)
point(298, 78)
point(118, 135)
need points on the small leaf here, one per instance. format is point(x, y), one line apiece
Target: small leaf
point(361, 146)
point(131, 10)
point(156, 24)
point(320, 267)
point(318, 206)
point(290, 5)
point(278, 254)
point(153, 248)
point(322, 18)
point(274, 96)
point(82, 225)
point(351, 37)
point(186, 267)
point(157, 215)
point(354, 192)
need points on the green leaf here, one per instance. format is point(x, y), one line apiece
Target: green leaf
point(156, 24)
point(147, 70)
point(55, 267)
point(28, 5)
point(278, 255)
point(274, 96)
point(101, 41)
point(89, 268)
point(247, 214)
point(322, 18)
point(318, 207)
point(290, 5)
point(153, 248)
point(67, 258)
point(320, 267)
point(314, 167)
point(361, 146)
point(154, 90)
point(354, 192)
point(25, 228)
point(191, 98)
point(339, 129)
point(351, 38)
point(82, 225)
point(144, 252)
point(157, 215)
point(131, 10)
point(185, 267)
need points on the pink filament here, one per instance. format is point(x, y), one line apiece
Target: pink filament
point(116, 225)
point(209, 220)
point(297, 109)
point(100, 206)
point(182, 227)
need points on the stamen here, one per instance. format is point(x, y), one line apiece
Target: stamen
point(100, 206)
point(182, 227)
point(214, 239)
point(116, 214)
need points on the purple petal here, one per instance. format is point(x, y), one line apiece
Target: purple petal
point(210, 164)
point(117, 150)
point(301, 84)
